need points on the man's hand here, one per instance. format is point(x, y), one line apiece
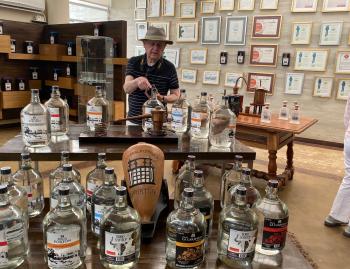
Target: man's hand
point(143, 83)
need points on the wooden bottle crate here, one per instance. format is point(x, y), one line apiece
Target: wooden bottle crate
point(14, 99)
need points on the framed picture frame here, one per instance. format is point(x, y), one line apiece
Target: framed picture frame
point(140, 3)
point(263, 55)
point(246, 5)
point(187, 31)
point(330, 33)
point(211, 77)
point(187, 10)
point(266, 26)
point(342, 62)
point(343, 88)
point(304, 5)
point(265, 80)
point(198, 56)
point(172, 55)
point(163, 25)
point(153, 8)
point(140, 14)
point(294, 83)
point(139, 50)
point(211, 30)
point(236, 30)
point(189, 76)
point(141, 29)
point(269, 4)
point(207, 7)
point(301, 33)
point(168, 8)
point(311, 59)
point(231, 78)
point(335, 5)
point(323, 87)
point(226, 4)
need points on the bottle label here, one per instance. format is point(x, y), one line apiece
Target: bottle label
point(68, 71)
point(13, 48)
point(52, 40)
point(55, 76)
point(120, 248)
point(35, 75)
point(21, 86)
point(99, 211)
point(241, 244)
point(196, 122)
point(177, 118)
point(3, 248)
point(274, 233)
point(35, 128)
point(63, 248)
point(33, 195)
point(69, 51)
point(148, 122)
point(16, 232)
point(96, 32)
point(55, 118)
point(7, 86)
point(208, 218)
point(94, 115)
point(29, 49)
point(189, 249)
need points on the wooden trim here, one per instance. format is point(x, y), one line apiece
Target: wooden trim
point(317, 142)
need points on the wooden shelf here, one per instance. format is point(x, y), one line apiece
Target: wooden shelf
point(66, 58)
point(23, 56)
point(62, 82)
point(14, 99)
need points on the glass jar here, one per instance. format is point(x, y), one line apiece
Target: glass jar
point(13, 45)
point(29, 47)
point(53, 38)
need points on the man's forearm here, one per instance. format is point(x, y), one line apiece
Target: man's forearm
point(171, 98)
point(130, 86)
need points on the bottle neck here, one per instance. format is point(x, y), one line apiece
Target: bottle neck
point(4, 199)
point(64, 160)
point(271, 193)
point(154, 94)
point(198, 182)
point(98, 93)
point(55, 93)
point(120, 202)
point(191, 165)
point(101, 164)
point(67, 176)
point(186, 203)
point(246, 180)
point(109, 179)
point(240, 200)
point(26, 164)
point(238, 166)
point(183, 96)
point(35, 97)
point(203, 99)
point(64, 201)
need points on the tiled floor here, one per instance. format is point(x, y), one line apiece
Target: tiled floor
point(318, 173)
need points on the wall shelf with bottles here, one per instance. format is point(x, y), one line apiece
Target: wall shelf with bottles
point(62, 82)
point(14, 99)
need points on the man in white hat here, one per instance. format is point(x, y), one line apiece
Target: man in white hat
point(150, 69)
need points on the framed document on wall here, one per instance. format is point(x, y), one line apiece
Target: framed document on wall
point(235, 31)
point(231, 78)
point(188, 10)
point(330, 33)
point(153, 8)
point(226, 4)
point(164, 25)
point(268, 4)
point(263, 55)
point(265, 80)
point(267, 26)
point(211, 27)
point(172, 55)
point(294, 83)
point(211, 77)
point(140, 3)
point(198, 56)
point(187, 31)
point(335, 5)
point(189, 75)
point(168, 8)
point(342, 62)
point(323, 86)
point(343, 88)
point(311, 59)
point(304, 5)
point(141, 29)
point(301, 33)
point(246, 4)
point(207, 7)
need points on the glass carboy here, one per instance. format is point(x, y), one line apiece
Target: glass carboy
point(200, 118)
point(147, 108)
point(179, 113)
point(97, 111)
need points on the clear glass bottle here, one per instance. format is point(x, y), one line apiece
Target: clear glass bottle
point(252, 194)
point(147, 108)
point(56, 176)
point(32, 181)
point(204, 201)
point(184, 179)
point(64, 229)
point(179, 113)
point(185, 233)
point(59, 112)
point(266, 114)
point(223, 126)
point(284, 111)
point(229, 179)
point(13, 232)
point(200, 118)
point(120, 238)
point(103, 199)
point(273, 217)
point(237, 232)
point(295, 115)
point(35, 123)
point(97, 111)
point(76, 191)
point(95, 178)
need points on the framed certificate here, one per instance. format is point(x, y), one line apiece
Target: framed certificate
point(269, 4)
point(323, 86)
point(160, 24)
point(226, 4)
point(343, 88)
point(168, 8)
point(141, 29)
point(263, 55)
point(235, 31)
point(342, 62)
point(265, 80)
point(207, 7)
point(140, 14)
point(211, 77)
point(140, 3)
point(294, 83)
point(153, 8)
point(330, 33)
point(301, 33)
point(188, 10)
point(266, 26)
point(335, 5)
point(198, 56)
point(311, 59)
point(189, 76)
point(231, 78)
point(187, 32)
point(172, 55)
point(211, 30)
point(139, 50)
point(246, 4)
point(304, 5)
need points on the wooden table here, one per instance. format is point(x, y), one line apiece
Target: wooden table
point(272, 136)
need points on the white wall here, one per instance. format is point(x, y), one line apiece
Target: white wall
point(57, 11)
point(15, 15)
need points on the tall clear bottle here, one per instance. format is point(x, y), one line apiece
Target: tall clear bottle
point(13, 232)
point(223, 126)
point(184, 179)
point(203, 200)
point(59, 112)
point(179, 113)
point(97, 111)
point(95, 178)
point(120, 237)
point(35, 123)
point(273, 216)
point(32, 181)
point(229, 179)
point(147, 108)
point(56, 175)
point(200, 118)
point(284, 111)
point(64, 229)
point(185, 232)
point(295, 115)
point(237, 232)
point(266, 114)
point(103, 199)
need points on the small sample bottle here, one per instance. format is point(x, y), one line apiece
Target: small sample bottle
point(34, 73)
point(21, 84)
point(1, 28)
point(97, 111)
point(240, 57)
point(266, 114)
point(53, 37)
point(55, 74)
point(284, 111)
point(7, 84)
point(295, 115)
point(13, 45)
point(29, 47)
point(223, 57)
point(70, 48)
point(68, 70)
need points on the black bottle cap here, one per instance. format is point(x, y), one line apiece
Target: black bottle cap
point(35, 91)
point(5, 170)
point(188, 192)
point(3, 188)
point(65, 154)
point(198, 173)
point(101, 155)
point(204, 93)
point(121, 190)
point(63, 190)
point(241, 190)
point(239, 157)
point(109, 170)
point(273, 183)
point(67, 167)
point(25, 155)
point(191, 157)
point(246, 171)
